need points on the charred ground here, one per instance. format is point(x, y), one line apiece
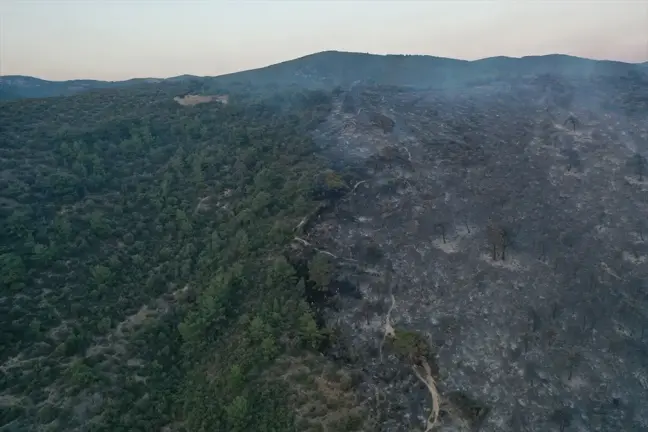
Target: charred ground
point(506, 224)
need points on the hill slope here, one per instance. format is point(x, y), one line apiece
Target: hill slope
point(374, 257)
point(511, 241)
point(332, 68)
point(136, 234)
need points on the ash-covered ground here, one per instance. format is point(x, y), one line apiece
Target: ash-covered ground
point(507, 223)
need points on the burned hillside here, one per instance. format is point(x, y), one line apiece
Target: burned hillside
point(505, 224)
point(419, 244)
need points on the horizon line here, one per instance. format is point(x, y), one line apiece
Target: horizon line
point(329, 51)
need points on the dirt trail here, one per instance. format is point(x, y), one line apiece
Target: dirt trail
point(389, 329)
point(425, 376)
point(427, 379)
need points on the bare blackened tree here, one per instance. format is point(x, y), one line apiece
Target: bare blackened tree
point(571, 119)
point(639, 163)
point(440, 227)
point(498, 239)
point(518, 421)
point(543, 251)
point(365, 310)
point(526, 341)
point(573, 159)
point(562, 418)
point(640, 229)
point(588, 318)
point(531, 372)
point(551, 338)
point(504, 243)
point(574, 358)
point(534, 319)
point(491, 234)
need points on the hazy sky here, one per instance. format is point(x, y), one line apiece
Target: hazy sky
point(118, 39)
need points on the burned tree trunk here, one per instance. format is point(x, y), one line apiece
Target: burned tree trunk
point(441, 228)
point(640, 166)
point(498, 239)
point(571, 119)
point(562, 418)
point(574, 358)
point(503, 243)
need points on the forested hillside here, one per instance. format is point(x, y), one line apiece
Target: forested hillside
point(144, 284)
point(20, 86)
point(326, 69)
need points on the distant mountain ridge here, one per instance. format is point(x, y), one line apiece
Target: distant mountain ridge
point(331, 68)
point(335, 67)
point(20, 86)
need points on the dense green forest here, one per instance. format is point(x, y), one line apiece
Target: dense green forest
point(144, 281)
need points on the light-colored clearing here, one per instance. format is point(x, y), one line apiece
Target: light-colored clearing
point(601, 229)
point(634, 259)
point(606, 268)
point(14, 362)
point(190, 100)
point(7, 400)
point(577, 383)
point(203, 204)
point(510, 263)
point(134, 320)
point(134, 362)
point(635, 181)
point(448, 247)
point(574, 173)
point(642, 378)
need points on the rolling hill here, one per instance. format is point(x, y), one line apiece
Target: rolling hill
point(335, 68)
point(19, 86)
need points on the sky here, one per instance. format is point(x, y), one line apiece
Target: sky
point(121, 39)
